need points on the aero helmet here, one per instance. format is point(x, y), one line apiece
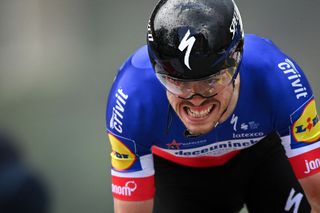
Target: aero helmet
point(191, 40)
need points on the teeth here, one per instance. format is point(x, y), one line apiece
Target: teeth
point(199, 114)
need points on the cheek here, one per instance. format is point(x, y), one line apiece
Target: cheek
point(173, 100)
point(225, 96)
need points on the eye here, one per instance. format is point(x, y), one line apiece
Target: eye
point(174, 82)
point(178, 85)
point(220, 79)
point(216, 78)
point(212, 81)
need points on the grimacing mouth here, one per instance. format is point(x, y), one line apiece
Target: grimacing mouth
point(198, 114)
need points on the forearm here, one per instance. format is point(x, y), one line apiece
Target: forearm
point(121, 206)
point(315, 207)
point(311, 186)
point(314, 202)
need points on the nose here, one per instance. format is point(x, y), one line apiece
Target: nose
point(196, 100)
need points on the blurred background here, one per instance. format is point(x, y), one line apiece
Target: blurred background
point(58, 59)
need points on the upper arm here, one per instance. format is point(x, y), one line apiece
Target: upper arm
point(132, 175)
point(302, 144)
point(129, 122)
point(297, 120)
point(298, 123)
point(132, 169)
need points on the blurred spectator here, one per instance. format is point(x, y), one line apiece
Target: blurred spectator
point(21, 191)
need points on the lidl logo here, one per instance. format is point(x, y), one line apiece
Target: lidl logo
point(122, 157)
point(307, 128)
point(311, 123)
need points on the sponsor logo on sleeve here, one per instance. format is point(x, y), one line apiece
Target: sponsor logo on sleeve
point(133, 189)
point(126, 190)
point(293, 75)
point(122, 158)
point(307, 163)
point(306, 127)
point(312, 165)
point(116, 121)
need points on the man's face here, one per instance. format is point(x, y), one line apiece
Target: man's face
point(200, 115)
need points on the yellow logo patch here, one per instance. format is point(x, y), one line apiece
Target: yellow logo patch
point(307, 128)
point(121, 156)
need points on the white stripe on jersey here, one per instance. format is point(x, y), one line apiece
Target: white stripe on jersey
point(147, 169)
point(286, 141)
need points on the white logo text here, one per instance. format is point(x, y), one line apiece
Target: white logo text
point(235, 20)
point(221, 147)
point(118, 110)
point(293, 201)
point(150, 36)
point(125, 190)
point(312, 165)
point(294, 77)
point(234, 121)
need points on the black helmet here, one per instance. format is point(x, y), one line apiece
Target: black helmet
point(194, 39)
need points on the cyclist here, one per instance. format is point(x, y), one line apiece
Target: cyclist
point(205, 118)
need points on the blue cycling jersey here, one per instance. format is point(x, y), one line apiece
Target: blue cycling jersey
point(274, 96)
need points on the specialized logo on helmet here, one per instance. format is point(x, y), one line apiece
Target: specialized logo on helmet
point(188, 43)
point(235, 20)
point(122, 157)
point(150, 36)
point(307, 128)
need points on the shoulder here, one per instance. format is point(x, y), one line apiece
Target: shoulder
point(281, 83)
point(259, 52)
point(134, 71)
point(136, 99)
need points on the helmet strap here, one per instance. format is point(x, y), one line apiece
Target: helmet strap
point(233, 88)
